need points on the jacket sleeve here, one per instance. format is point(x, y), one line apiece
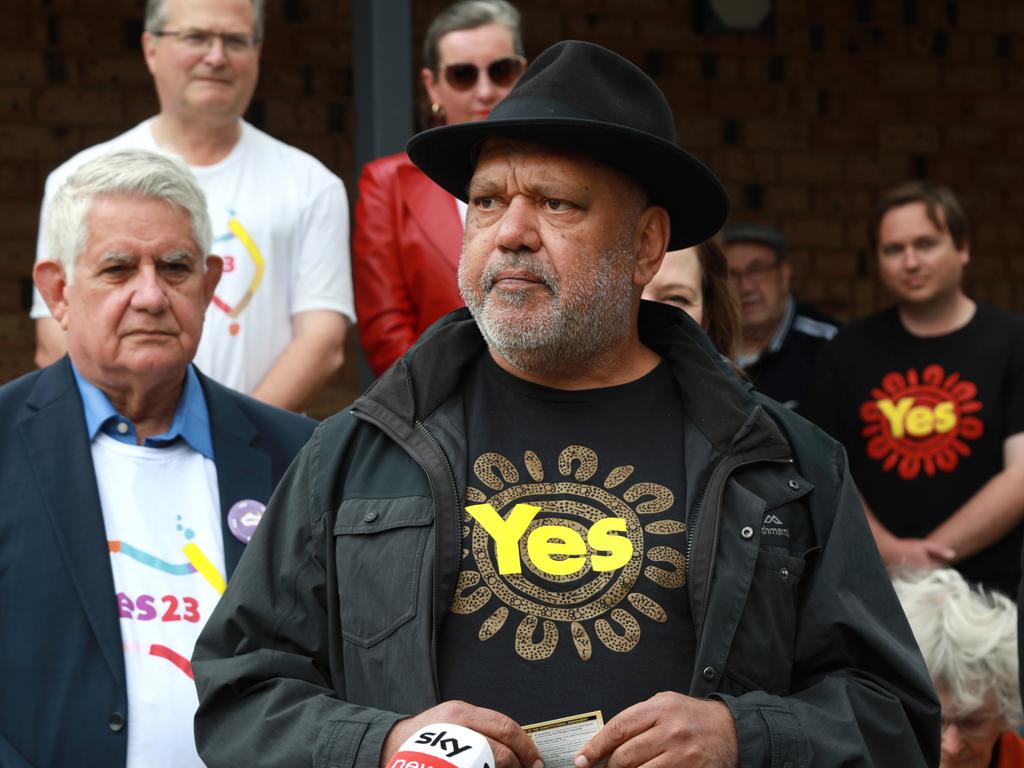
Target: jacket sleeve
point(262, 665)
point(387, 317)
point(10, 757)
point(861, 695)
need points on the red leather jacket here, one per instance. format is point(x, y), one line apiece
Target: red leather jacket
point(405, 257)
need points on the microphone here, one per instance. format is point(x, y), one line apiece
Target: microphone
point(444, 745)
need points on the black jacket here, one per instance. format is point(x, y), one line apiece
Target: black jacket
point(329, 628)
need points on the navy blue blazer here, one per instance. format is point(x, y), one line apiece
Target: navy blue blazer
point(63, 697)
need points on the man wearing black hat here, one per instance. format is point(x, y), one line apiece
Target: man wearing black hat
point(779, 338)
point(561, 502)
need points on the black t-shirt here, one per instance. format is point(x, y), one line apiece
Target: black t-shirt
point(924, 420)
point(580, 605)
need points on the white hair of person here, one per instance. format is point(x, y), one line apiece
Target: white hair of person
point(132, 172)
point(156, 17)
point(968, 637)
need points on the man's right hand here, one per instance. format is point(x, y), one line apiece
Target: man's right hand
point(511, 746)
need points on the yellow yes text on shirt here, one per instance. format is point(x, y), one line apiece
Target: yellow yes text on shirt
point(554, 549)
point(918, 420)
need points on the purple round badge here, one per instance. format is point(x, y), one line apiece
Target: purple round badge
point(243, 517)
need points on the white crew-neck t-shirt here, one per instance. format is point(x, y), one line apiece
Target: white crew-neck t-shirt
point(161, 515)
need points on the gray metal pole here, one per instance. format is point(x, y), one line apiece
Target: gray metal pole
point(383, 88)
point(383, 72)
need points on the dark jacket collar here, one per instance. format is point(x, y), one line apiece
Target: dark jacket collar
point(718, 404)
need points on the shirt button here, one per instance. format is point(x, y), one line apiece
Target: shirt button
point(709, 673)
point(122, 428)
point(794, 485)
point(370, 516)
point(747, 532)
point(116, 722)
point(784, 574)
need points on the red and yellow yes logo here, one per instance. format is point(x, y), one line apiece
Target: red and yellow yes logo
point(921, 422)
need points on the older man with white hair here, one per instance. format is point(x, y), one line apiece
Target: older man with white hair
point(131, 481)
point(969, 641)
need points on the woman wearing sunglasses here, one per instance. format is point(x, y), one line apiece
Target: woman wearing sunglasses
point(408, 231)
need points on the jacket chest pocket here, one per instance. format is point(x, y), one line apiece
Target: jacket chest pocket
point(379, 545)
point(762, 654)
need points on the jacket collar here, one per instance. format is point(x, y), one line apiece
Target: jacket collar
point(718, 405)
point(243, 470)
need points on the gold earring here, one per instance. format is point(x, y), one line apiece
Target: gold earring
point(437, 114)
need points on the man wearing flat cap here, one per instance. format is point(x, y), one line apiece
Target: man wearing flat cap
point(561, 501)
point(780, 339)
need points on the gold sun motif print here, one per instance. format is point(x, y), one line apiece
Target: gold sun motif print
point(588, 601)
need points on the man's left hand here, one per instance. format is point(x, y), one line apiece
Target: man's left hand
point(666, 731)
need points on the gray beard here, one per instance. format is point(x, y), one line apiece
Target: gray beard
point(577, 326)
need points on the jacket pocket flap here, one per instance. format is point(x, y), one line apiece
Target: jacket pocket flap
point(366, 516)
point(776, 487)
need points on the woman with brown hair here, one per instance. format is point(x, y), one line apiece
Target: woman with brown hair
point(696, 280)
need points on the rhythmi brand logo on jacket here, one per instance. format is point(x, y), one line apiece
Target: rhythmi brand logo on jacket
point(567, 551)
point(921, 422)
point(773, 525)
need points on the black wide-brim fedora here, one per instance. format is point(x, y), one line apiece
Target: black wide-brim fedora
point(585, 98)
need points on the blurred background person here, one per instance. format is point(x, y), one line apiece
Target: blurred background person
point(696, 280)
point(968, 638)
point(276, 327)
point(408, 232)
point(927, 397)
point(779, 339)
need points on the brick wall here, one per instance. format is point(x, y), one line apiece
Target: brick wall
point(805, 124)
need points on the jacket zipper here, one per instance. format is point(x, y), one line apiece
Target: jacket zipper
point(433, 587)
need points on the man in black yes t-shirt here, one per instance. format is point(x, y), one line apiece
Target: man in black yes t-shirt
point(928, 398)
point(561, 500)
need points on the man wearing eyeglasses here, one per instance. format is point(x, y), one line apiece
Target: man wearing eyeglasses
point(779, 339)
point(276, 326)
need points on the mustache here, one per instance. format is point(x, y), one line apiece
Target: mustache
point(526, 262)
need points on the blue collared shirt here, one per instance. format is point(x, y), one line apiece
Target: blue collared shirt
point(191, 420)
